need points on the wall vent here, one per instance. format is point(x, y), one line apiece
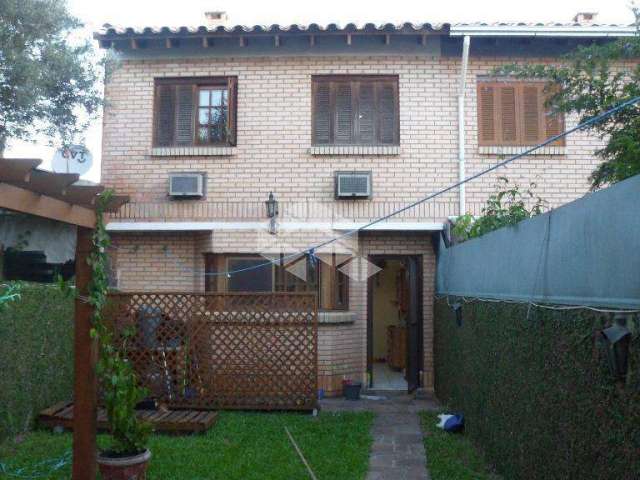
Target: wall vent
point(186, 185)
point(353, 185)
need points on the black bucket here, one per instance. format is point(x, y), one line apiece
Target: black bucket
point(351, 391)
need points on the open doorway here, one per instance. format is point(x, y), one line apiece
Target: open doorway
point(394, 323)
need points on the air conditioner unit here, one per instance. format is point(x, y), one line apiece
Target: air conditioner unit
point(353, 184)
point(186, 185)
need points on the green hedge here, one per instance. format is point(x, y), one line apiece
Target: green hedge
point(537, 395)
point(36, 355)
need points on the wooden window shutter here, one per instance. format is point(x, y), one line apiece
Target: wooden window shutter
point(508, 115)
point(531, 110)
point(184, 114)
point(553, 123)
point(366, 113)
point(344, 113)
point(388, 113)
point(232, 121)
point(321, 113)
point(355, 110)
point(164, 115)
point(514, 113)
point(486, 115)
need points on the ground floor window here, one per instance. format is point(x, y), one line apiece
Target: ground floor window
point(321, 275)
point(250, 277)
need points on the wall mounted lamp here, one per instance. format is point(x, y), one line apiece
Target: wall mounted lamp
point(272, 212)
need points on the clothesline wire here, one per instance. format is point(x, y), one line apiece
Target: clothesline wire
point(466, 299)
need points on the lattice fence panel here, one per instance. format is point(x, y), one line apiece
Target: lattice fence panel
point(219, 350)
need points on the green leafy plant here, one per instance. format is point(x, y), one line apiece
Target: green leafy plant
point(592, 80)
point(508, 206)
point(9, 292)
point(48, 75)
point(117, 378)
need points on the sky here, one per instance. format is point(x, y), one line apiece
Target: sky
point(251, 12)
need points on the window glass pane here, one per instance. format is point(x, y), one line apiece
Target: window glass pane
point(203, 116)
point(341, 291)
point(325, 295)
point(217, 133)
point(204, 97)
point(256, 280)
point(202, 134)
point(297, 282)
point(216, 115)
point(216, 97)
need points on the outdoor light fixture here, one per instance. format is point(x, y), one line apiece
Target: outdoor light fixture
point(618, 338)
point(272, 212)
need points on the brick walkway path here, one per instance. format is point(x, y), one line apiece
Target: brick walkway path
point(398, 450)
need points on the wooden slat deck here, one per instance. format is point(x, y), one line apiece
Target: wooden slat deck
point(176, 421)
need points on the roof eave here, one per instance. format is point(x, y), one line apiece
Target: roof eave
point(576, 32)
point(109, 33)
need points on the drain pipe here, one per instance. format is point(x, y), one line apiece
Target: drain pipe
point(461, 143)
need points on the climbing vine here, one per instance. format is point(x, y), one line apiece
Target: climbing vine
point(117, 379)
point(508, 206)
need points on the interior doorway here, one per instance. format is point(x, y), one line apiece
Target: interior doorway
point(394, 323)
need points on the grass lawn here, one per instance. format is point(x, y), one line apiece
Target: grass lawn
point(239, 446)
point(452, 456)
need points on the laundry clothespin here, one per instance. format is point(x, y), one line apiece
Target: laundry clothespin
point(312, 257)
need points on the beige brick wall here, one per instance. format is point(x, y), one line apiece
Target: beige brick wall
point(160, 262)
point(274, 134)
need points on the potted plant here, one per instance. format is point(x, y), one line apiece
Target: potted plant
point(351, 389)
point(127, 456)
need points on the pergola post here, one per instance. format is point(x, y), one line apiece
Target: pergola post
point(55, 196)
point(86, 355)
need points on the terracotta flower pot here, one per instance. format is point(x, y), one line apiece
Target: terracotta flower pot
point(124, 468)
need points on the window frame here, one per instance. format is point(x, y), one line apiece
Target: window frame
point(335, 285)
point(392, 79)
point(209, 108)
point(197, 83)
point(519, 85)
point(221, 284)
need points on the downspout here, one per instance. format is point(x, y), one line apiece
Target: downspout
point(461, 143)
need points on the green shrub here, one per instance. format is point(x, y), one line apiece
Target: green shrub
point(36, 355)
point(536, 393)
point(508, 206)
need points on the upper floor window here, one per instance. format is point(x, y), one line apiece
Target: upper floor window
point(355, 110)
point(195, 112)
point(513, 113)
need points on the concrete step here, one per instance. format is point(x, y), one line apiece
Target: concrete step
point(384, 393)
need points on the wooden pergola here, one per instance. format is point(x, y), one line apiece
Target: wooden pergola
point(57, 196)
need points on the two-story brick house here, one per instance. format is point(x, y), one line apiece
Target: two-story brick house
point(401, 111)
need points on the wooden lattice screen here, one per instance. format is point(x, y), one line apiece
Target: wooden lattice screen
point(222, 351)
